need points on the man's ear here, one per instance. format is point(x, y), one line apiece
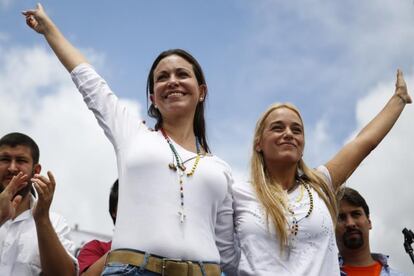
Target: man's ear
point(370, 224)
point(37, 168)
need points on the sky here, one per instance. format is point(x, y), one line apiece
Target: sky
point(335, 60)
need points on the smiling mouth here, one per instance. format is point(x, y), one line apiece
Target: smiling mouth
point(287, 144)
point(174, 94)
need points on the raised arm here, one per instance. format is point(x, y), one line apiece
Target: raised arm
point(343, 164)
point(39, 21)
point(54, 258)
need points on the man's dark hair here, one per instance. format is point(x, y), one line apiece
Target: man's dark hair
point(15, 139)
point(113, 201)
point(355, 199)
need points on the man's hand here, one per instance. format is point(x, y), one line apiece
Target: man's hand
point(45, 188)
point(8, 199)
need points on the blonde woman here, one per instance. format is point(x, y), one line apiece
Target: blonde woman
point(285, 216)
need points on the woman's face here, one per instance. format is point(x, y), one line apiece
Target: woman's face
point(176, 90)
point(282, 138)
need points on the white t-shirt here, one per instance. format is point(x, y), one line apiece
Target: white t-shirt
point(19, 248)
point(312, 251)
point(149, 195)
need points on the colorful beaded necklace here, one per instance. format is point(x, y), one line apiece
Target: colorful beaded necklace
point(181, 172)
point(294, 228)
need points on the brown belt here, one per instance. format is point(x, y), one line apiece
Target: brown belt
point(164, 266)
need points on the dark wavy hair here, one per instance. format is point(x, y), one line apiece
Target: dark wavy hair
point(15, 139)
point(199, 124)
point(354, 198)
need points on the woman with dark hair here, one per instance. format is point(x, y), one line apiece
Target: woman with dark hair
point(286, 216)
point(175, 207)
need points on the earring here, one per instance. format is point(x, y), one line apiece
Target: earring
point(201, 99)
point(155, 106)
point(299, 172)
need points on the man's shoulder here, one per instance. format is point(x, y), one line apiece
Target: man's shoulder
point(382, 259)
point(387, 269)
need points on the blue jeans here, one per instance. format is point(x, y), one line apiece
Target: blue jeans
point(126, 270)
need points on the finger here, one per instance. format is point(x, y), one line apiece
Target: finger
point(28, 12)
point(52, 179)
point(41, 178)
point(400, 76)
point(16, 183)
point(16, 201)
point(31, 22)
point(39, 8)
point(40, 190)
point(44, 184)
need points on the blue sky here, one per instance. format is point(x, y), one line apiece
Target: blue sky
point(335, 60)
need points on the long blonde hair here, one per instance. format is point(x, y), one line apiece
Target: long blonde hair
point(270, 193)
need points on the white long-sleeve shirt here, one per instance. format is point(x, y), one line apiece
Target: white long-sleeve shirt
point(149, 196)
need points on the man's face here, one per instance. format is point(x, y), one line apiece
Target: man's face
point(352, 229)
point(14, 160)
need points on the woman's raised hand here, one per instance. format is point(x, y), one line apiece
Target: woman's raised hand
point(343, 164)
point(401, 88)
point(37, 19)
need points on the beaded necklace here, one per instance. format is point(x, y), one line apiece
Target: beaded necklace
point(181, 169)
point(294, 229)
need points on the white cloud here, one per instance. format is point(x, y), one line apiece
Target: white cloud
point(39, 99)
point(320, 145)
point(326, 53)
point(384, 178)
